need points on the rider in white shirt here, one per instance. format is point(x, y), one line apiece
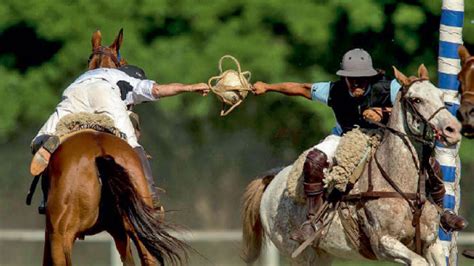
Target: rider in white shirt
point(107, 91)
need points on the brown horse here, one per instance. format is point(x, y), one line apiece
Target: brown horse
point(466, 78)
point(91, 189)
point(95, 182)
point(466, 110)
point(106, 56)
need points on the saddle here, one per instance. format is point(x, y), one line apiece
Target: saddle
point(351, 157)
point(72, 123)
point(355, 148)
point(352, 153)
point(68, 126)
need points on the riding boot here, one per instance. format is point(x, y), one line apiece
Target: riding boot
point(149, 176)
point(316, 162)
point(468, 253)
point(449, 220)
point(42, 148)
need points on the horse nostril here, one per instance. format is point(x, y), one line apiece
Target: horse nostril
point(471, 112)
point(449, 129)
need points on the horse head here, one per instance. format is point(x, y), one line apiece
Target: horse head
point(103, 56)
point(466, 78)
point(424, 109)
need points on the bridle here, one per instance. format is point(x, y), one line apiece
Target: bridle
point(429, 134)
point(465, 93)
point(104, 52)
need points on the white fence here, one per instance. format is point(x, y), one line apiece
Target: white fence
point(270, 255)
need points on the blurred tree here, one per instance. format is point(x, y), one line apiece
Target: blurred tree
point(44, 45)
point(43, 48)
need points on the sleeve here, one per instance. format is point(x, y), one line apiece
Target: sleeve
point(394, 88)
point(320, 92)
point(141, 92)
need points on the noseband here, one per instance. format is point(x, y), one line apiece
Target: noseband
point(104, 52)
point(416, 113)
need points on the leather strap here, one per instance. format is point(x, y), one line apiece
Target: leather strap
point(102, 51)
point(374, 195)
point(355, 235)
point(313, 189)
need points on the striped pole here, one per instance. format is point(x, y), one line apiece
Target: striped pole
point(450, 37)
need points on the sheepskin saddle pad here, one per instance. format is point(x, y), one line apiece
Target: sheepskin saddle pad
point(352, 154)
point(72, 123)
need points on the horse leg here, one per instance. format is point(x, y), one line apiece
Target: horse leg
point(122, 243)
point(47, 257)
point(60, 246)
point(145, 257)
point(312, 257)
point(435, 254)
point(391, 248)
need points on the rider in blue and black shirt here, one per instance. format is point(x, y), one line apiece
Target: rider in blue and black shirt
point(362, 94)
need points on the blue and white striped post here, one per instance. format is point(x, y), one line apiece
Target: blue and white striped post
point(450, 37)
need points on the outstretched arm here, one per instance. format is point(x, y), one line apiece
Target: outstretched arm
point(166, 90)
point(287, 88)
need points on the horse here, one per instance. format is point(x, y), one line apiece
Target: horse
point(94, 183)
point(465, 112)
point(103, 56)
point(387, 227)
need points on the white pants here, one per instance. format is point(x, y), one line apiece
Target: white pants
point(329, 146)
point(93, 96)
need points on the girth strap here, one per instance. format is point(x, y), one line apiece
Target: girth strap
point(373, 195)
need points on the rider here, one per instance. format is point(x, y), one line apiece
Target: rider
point(361, 94)
point(107, 91)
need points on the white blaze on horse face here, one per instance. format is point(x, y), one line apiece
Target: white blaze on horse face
point(430, 100)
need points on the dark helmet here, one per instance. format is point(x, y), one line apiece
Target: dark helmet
point(356, 63)
point(133, 71)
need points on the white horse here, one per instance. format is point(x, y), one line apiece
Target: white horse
point(386, 222)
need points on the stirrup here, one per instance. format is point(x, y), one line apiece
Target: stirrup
point(305, 244)
point(301, 234)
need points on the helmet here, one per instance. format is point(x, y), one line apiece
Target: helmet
point(356, 63)
point(133, 71)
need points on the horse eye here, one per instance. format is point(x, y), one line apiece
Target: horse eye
point(415, 100)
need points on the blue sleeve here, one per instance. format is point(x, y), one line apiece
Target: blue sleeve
point(337, 130)
point(320, 92)
point(394, 88)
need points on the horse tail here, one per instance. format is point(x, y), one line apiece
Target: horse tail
point(253, 234)
point(150, 230)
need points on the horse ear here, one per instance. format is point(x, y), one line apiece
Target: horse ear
point(402, 79)
point(423, 72)
point(118, 41)
point(463, 53)
point(96, 39)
